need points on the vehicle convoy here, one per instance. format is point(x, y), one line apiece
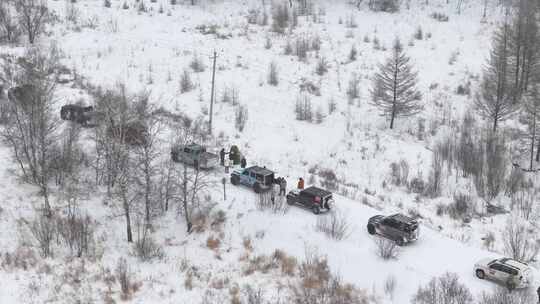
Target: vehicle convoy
point(313, 198)
point(397, 227)
point(195, 155)
point(512, 273)
point(255, 177)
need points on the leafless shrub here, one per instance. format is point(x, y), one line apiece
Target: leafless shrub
point(273, 78)
point(445, 289)
point(523, 200)
point(439, 17)
point(77, 231)
point(334, 225)
point(489, 240)
point(399, 173)
point(253, 296)
point(417, 185)
point(269, 200)
point(519, 241)
point(322, 66)
point(280, 18)
point(390, 286)
point(353, 90)
point(350, 21)
point(461, 207)
point(240, 117)
point(268, 43)
point(386, 249)
point(302, 47)
point(303, 108)
point(496, 160)
point(433, 188)
point(146, 247)
point(9, 28)
point(186, 85)
point(22, 258)
point(32, 17)
point(503, 296)
point(44, 231)
point(213, 243)
point(288, 264)
point(319, 285)
point(123, 275)
point(196, 64)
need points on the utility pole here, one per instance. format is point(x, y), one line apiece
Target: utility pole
point(212, 94)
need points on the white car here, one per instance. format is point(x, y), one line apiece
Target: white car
point(512, 273)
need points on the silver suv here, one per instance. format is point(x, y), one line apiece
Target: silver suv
point(512, 273)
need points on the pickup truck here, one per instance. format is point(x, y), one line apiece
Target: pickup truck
point(194, 155)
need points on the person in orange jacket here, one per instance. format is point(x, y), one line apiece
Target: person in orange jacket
point(300, 183)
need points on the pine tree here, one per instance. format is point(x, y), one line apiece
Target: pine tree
point(495, 101)
point(394, 89)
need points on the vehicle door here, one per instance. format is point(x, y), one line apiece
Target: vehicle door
point(507, 273)
point(186, 156)
point(495, 272)
point(306, 199)
point(244, 178)
point(386, 227)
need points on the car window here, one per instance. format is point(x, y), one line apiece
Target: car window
point(495, 266)
point(260, 178)
point(245, 172)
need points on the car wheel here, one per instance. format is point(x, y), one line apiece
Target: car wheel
point(480, 274)
point(290, 201)
point(400, 242)
point(257, 188)
point(371, 229)
point(316, 210)
point(234, 180)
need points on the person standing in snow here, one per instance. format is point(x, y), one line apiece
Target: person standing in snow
point(282, 186)
point(222, 156)
point(300, 183)
point(226, 163)
point(243, 162)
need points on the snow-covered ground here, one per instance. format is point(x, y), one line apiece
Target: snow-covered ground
point(149, 51)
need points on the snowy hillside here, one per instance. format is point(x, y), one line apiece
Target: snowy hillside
point(311, 117)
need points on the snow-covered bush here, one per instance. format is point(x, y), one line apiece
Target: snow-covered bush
point(334, 225)
point(240, 117)
point(280, 18)
point(502, 296)
point(520, 240)
point(196, 64)
point(461, 206)
point(445, 289)
point(390, 6)
point(303, 109)
point(322, 66)
point(146, 247)
point(390, 286)
point(273, 77)
point(186, 85)
point(439, 17)
point(385, 248)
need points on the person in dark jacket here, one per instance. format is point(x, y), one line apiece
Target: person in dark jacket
point(243, 162)
point(282, 186)
point(538, 292)
point(222, 156)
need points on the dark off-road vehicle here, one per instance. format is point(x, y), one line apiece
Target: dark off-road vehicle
point(398, 228)
point(195, 155)
point(257, 178)
point(313, 198)
point(86, 116)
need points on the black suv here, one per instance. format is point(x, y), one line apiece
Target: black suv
point(313, 198)
point(398, 227)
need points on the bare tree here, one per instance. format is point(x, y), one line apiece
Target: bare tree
point(531, 108)
point(524, 46)
point(495, 101)
point(394, 87)
point(32, 132)
point(518, 241)
point(146, 155)
point(32, 17)
point(8, 22)
point(445, 289)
